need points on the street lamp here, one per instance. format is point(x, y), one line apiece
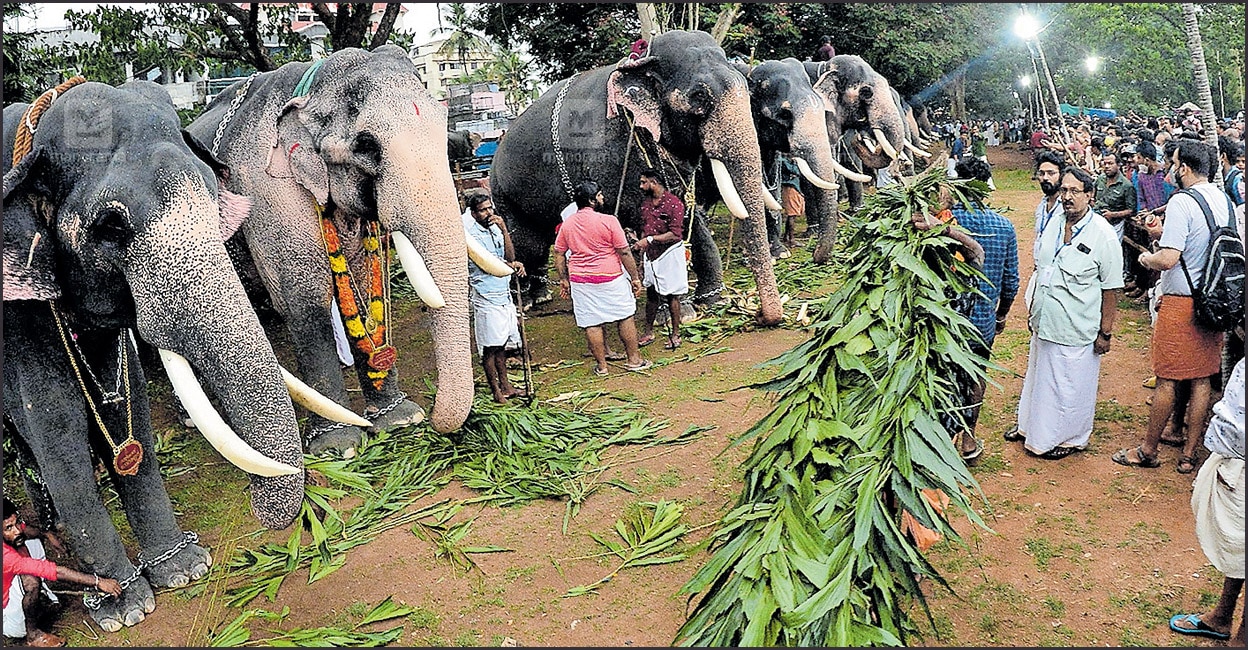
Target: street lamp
point(1108, 105)
point(1024, 81)
point(1026, 27)
point(1092, 63)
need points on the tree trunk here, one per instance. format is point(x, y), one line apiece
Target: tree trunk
point(649, 21)
point(724, 23)
point(386, 25)
point(959, 98)
point(1195, 48)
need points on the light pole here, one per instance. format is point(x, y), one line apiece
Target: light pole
point(1027, 28)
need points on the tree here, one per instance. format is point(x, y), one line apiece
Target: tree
point(19, 84)
point(348, 26)
point(1191, 33)
point(461, 38)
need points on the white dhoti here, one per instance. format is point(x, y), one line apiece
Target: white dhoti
point(494, 325)
point(1059, 395)
point(1218, 503)
point(595, 304)
point(14, 615)
point(668, 275)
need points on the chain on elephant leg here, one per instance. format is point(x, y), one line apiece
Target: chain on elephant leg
point(136, 601)
point(389, 407)
point(325, 436)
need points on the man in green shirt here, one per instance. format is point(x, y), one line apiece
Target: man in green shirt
point(1115, 195)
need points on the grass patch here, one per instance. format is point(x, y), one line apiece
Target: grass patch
point(1054, 607)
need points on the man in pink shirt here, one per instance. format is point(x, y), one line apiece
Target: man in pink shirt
point(593, 276)
point(22, 580)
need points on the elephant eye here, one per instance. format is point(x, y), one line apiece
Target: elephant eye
point(111, 227)
point(366, 146)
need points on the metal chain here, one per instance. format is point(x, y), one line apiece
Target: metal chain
point(334, 426)
point(554, 135)
point(106, 397)
point(229, 114)
point(94, 599)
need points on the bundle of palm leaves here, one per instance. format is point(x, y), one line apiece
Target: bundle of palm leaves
point(814, 553)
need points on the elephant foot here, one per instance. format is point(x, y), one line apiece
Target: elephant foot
point(344, 439)
point(710, 297)
point(779, 252)
point(404, 413)
point(544, 296)
point(134, 604)
point(187, 565)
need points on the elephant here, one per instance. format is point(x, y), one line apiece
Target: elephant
point(114, 223)
point(357, 138)
point(790, 118)
point(460, 145)
point(924, 121)
point(866, 125)
point(680, 104)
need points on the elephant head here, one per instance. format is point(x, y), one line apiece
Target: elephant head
point(357, 137)
point(114, 220)
point(686, 102)
point(791, 117)
point(864, 109)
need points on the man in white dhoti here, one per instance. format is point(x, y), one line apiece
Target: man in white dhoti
point(662, 251)
point(1072, 301)
point(493, 312)
point(1218, 503)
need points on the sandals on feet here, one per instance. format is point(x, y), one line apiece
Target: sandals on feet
point(1187, 465)
point(601, 372)
point(1198, 627)
point(1014, 435)
point(672, 344)
point(641, 343)
point(1058, 453)
point(644, 365)
point(1122, 458)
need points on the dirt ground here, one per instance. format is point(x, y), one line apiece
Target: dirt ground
point(1083, 552)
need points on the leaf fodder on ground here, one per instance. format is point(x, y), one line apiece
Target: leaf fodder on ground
point(815, 552)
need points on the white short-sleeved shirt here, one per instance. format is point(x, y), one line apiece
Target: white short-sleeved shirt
point(1069, 279)
point(1187, 231)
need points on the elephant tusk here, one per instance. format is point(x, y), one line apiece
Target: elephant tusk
point(888, 146)
point(849, 174)
point(869, 143)
point(810, 175)
point(309, 398)
point(770, 201)
point(488, 261)
point(210, 424)
point(417, 273)
point(723, 181)
point(916, 151)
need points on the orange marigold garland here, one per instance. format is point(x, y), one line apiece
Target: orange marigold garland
point(367, 331)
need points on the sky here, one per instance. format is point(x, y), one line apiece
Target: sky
point(421, 17)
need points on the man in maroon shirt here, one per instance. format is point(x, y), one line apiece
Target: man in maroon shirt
point(662, 254)
point(22, 581)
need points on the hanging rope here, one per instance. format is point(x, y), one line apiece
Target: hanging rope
point(24, 139)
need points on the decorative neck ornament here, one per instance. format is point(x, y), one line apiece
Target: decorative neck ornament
point(128, 455)
point(367, 329)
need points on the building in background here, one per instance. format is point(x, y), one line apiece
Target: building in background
point(439, 68)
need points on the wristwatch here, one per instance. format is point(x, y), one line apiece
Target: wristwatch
point(1105, 335)
point(650, 239)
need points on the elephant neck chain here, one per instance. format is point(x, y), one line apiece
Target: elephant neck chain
point(129, 454)
point(365, 327)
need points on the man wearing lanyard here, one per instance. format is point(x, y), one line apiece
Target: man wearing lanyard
point(1072, 302)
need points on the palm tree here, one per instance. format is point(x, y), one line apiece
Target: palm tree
point(461, 39)
point(512, 74)
point(1196, 48)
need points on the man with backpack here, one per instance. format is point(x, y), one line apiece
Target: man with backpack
point(1199, 296)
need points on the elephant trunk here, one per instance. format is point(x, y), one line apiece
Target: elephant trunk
point(729, 136)
point(200, 312)
point(416, 201)
point(816, 152)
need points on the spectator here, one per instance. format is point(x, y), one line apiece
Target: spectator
point(597, 276)
point(493, 311)
point(1232, 159)
point(1073, 302)
point(792, 201)
point(961, 147)
point(661, 246)
point(1039, 141)
point(1218, 504)
point(825, 51)
point(996, 235)
point(25, 569)
point(1115, 196)
point(1152, 191)
point(1181, 348)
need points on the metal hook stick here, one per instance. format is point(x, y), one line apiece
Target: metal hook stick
point(524, 342)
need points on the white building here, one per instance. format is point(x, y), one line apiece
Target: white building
point(439, 67)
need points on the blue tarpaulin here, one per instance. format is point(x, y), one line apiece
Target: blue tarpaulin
point(1104, 113)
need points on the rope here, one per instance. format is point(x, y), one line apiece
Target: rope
point(24, 139)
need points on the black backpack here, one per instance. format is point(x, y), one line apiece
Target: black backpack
point(1219, 302)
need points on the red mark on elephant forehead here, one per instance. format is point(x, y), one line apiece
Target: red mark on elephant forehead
point(416, 107)
point(292, 148)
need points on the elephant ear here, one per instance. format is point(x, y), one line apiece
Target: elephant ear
point(294, 153)
point(29, 262)
point(631, 88)
point(826, 85)
point(234, 208)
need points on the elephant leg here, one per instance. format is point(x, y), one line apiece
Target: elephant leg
point(774, 225)
point(143, 495)
point(387, 406)
point(533, 250)
point(707, 265)
point(35, 486)
point(46, 406)
point(854, 190)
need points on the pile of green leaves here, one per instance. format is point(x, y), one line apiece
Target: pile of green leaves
point(813, 554)
point(510, 454)
point(237, 634)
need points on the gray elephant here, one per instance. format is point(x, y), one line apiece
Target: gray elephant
point(866, 126)
point(357, 138)
point(681, 104)
point(113, 221)
point(460, 145)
